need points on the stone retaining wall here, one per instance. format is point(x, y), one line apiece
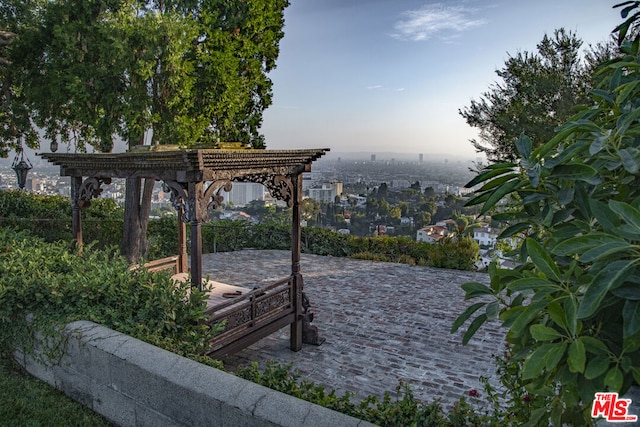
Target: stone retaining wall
point(133, 383)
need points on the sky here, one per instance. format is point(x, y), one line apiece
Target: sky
point(381, 76)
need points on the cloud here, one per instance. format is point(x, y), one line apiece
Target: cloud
point(435, 20)
point(375, 87)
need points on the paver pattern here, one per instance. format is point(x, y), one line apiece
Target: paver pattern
point(383, 323)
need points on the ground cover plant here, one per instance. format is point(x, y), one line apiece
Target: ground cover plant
point(26, 401)
point(572, 308)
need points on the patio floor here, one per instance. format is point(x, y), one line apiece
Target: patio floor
point(383, 322)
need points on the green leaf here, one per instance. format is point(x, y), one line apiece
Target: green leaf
point(605, 216)
point(629, 291)
point(630, 214)
point(513, 229)
point(523, 146)
point(492, 171)
point(525, 317)
point(498, 181)
point(534, 363)
point(595, 346)
point(544, 333)
point(570, 309)
point(580, 244)
point(630, 158)
point(614, 379)
point(465, 315)
point(624, 121)
point(554, 355)
point(493, 310)
point(576, 356)
point(475, 325)
point(530, 284)
point(596, 367)
point(475, 289)
point(535, 417)
point(605, 250)
point(499, 193)
point(557, 314)
point(597, 144)
point(610, 277)
point(578, 172)
point(542, 260)
point(630, 318)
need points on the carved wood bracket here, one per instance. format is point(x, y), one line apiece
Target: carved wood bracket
point(180, 198)
point(90, 188)
point(280, 186)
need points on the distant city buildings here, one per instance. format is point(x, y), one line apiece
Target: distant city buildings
point(243, 193)
point(327, 192)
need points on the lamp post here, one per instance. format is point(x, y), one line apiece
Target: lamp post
point(21, 166)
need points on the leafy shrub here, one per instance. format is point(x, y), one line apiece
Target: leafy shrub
point(226, 236)
point(402, 410)
point(572, 306)
point(49, 217)
point(54, 287)
point(270, 235)
point(459, 254)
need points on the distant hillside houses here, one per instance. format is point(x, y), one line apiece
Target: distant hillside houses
point(431, 233)
point(486, 236)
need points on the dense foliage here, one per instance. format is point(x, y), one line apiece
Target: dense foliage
point(400, 410)
point(44, 286)
point(86, 71)
point(573, 307)
point(223, 236)
point(49, 217)
point(537, 92)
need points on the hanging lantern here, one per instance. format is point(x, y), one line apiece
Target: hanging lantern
point(54, 145)
point(21, 166)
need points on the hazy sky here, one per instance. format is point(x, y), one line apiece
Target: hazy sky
point(391, 75)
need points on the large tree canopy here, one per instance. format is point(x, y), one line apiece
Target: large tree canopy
point(191, 72)
point(537, 92)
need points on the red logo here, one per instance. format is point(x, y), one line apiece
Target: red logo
point(612, 409)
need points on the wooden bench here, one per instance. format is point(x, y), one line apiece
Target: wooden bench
point(171, 263)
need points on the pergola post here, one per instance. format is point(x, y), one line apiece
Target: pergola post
point(195, 196)
point(76, 215)
point(296, 326)
point(182, 243)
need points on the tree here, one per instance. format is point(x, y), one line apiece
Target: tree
point(572, 306)
point(429, 193)
point(15, 123)
point(188, 72)
point(310, 210)
point(537, 93)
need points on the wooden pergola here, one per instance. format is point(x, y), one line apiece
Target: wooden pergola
point(195, 179)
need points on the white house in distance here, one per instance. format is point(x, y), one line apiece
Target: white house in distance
point(485, 236)
point(431, 233)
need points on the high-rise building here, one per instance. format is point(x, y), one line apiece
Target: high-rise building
point(327, 193)
point(373, 158)
point(242, 193)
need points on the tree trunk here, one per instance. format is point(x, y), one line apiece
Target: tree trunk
point(137, 206)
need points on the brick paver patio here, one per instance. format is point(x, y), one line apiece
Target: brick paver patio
point(383, 322)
